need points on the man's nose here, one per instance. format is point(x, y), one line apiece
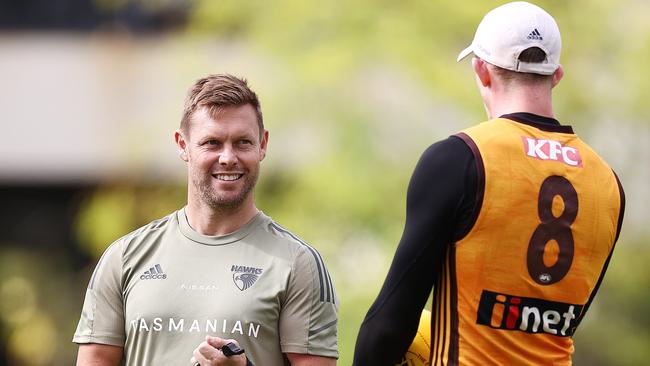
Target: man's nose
point(228, 156)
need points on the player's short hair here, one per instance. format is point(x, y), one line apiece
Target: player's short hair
point(216, 92)
point(530, 55)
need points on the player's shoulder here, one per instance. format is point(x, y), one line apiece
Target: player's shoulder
point(307, 263)
point(590, 153)
point(451, 147)
point(291, 242)
point(449, 154)
point(143, 234)
point(283, 235)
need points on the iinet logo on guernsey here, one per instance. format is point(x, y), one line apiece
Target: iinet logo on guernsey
point(552, 150)
point(527, 314)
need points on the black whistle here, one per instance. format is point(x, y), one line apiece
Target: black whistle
point(231, 349)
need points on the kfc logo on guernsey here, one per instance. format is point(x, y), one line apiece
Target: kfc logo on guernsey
point(552, 150)
point(527, 314)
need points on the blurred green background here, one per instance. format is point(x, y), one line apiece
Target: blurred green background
point(352, 92)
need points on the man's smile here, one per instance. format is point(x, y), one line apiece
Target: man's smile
point(228, 177)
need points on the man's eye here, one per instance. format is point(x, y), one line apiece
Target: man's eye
point(212, 142)
point(246, 142)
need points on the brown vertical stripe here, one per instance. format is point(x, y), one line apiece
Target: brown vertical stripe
point(621, 210)
point(480, 181)
point(445, 292)
point(443, 316)
point(432, 331)
point(453, 308)
point(438, 314)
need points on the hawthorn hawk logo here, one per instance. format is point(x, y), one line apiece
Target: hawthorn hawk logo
point(244, 276)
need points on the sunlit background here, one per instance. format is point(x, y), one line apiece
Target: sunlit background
point(352, 92)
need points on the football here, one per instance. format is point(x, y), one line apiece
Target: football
point(418, 352)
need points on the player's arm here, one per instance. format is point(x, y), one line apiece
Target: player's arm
point(100, 332)
point(309, 313)
point(301, 359)
point(440, 197)
point(95, 354)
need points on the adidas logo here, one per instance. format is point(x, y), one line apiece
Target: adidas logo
point(154, 273)
point(535, 35)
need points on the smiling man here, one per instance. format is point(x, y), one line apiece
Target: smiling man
point(177, 290)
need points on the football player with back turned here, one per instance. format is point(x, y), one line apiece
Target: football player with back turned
point(512, 222)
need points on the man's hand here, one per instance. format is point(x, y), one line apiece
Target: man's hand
point(208, 353)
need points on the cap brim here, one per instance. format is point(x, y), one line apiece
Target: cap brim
point(464, 53)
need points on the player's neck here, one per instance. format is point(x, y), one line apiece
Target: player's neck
point(209, 221)
point(532, 100)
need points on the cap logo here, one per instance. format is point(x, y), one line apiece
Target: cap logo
point(535, 35)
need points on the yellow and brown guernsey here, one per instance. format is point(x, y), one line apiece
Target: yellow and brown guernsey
point(515, 287)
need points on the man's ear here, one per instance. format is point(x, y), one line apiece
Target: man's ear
point(482, 72)
point(557, 76)
point(263, 144)
point(181, 144)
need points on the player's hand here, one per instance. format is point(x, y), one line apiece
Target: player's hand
point(208, 353)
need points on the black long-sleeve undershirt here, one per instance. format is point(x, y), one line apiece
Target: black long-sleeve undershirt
point(439, 204)
point(440, 210)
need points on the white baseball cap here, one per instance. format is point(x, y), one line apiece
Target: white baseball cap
point(511, 28)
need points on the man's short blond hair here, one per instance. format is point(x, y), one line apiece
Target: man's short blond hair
point(216, 92)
